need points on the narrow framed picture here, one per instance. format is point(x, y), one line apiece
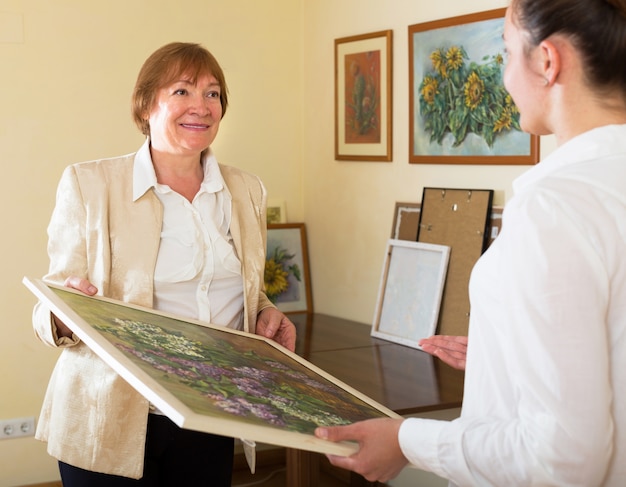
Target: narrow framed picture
point(210, 378)
point(276, 211)
point(410, 292)
point(287, 278)
point(495, 224)
point(460, 111)
point(363, 97)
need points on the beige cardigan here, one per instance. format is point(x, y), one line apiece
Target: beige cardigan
point(91, 418)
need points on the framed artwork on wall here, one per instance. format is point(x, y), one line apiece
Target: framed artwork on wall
point(363, 108)
point(287, 278)
point(410, 292)
point(210, 378)
point(460, 111)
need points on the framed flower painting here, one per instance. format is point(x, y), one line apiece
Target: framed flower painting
point(211, 378)
point(460, 111)
point(287, 278)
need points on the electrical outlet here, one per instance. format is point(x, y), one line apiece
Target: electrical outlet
point(17, 427)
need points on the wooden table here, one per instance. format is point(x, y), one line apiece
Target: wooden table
point(404, 379)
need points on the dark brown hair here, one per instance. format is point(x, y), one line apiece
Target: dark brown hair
point(164, 66)
point(596, 27)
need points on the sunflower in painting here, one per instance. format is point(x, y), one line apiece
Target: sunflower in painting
point(474, 90)
point(458, 96)
point(429, 89)
point(454, 58)
point(277, 271)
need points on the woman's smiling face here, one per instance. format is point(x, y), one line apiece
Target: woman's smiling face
point(185, 117)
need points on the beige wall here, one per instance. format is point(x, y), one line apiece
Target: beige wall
point(67, 69)
point(349, 205)
point(64, 98)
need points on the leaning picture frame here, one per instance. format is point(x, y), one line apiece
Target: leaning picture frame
point(406, 218)
point(287, 277)
point(276, 211)
point(495, 224)
point(460, 111)
point(410, 291)
point(363, 97)
point(212, 379)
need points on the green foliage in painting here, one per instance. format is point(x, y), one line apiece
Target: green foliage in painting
point(461, 97)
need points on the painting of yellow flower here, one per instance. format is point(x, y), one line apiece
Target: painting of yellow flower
point(286, 275)
point(458, 97)
point(460, 110)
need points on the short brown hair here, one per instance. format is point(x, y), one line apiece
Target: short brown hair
point(164, 66)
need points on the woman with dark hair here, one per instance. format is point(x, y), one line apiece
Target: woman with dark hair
point(168, 228)
point(545, 395)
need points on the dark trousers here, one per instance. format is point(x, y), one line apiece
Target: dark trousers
point(174, 457)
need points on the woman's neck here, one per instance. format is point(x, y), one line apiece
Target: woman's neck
point(183, 174)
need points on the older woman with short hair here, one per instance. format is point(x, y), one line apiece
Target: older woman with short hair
point(166, 227)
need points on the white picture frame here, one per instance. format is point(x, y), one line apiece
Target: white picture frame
point(411, 287)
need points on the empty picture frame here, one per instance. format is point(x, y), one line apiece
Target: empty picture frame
point(411, 287)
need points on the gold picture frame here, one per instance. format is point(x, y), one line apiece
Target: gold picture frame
point(363, 97)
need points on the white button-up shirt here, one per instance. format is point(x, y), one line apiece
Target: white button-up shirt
point(198, 274)
point(545, 385)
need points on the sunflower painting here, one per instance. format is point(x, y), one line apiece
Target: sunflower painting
point(278, 268)
point(459, 105)
point(459, 98)
point(286, 267)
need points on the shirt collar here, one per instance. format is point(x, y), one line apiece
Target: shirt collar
point(144, 177)
point(594, 144)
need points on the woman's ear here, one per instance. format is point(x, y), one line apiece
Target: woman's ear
point(550, 61)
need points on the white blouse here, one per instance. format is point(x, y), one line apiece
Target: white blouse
point(545, 384)
point(198, 274)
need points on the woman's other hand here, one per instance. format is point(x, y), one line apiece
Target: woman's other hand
point(452, 350)
point(82, 285)
point(272, 323)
